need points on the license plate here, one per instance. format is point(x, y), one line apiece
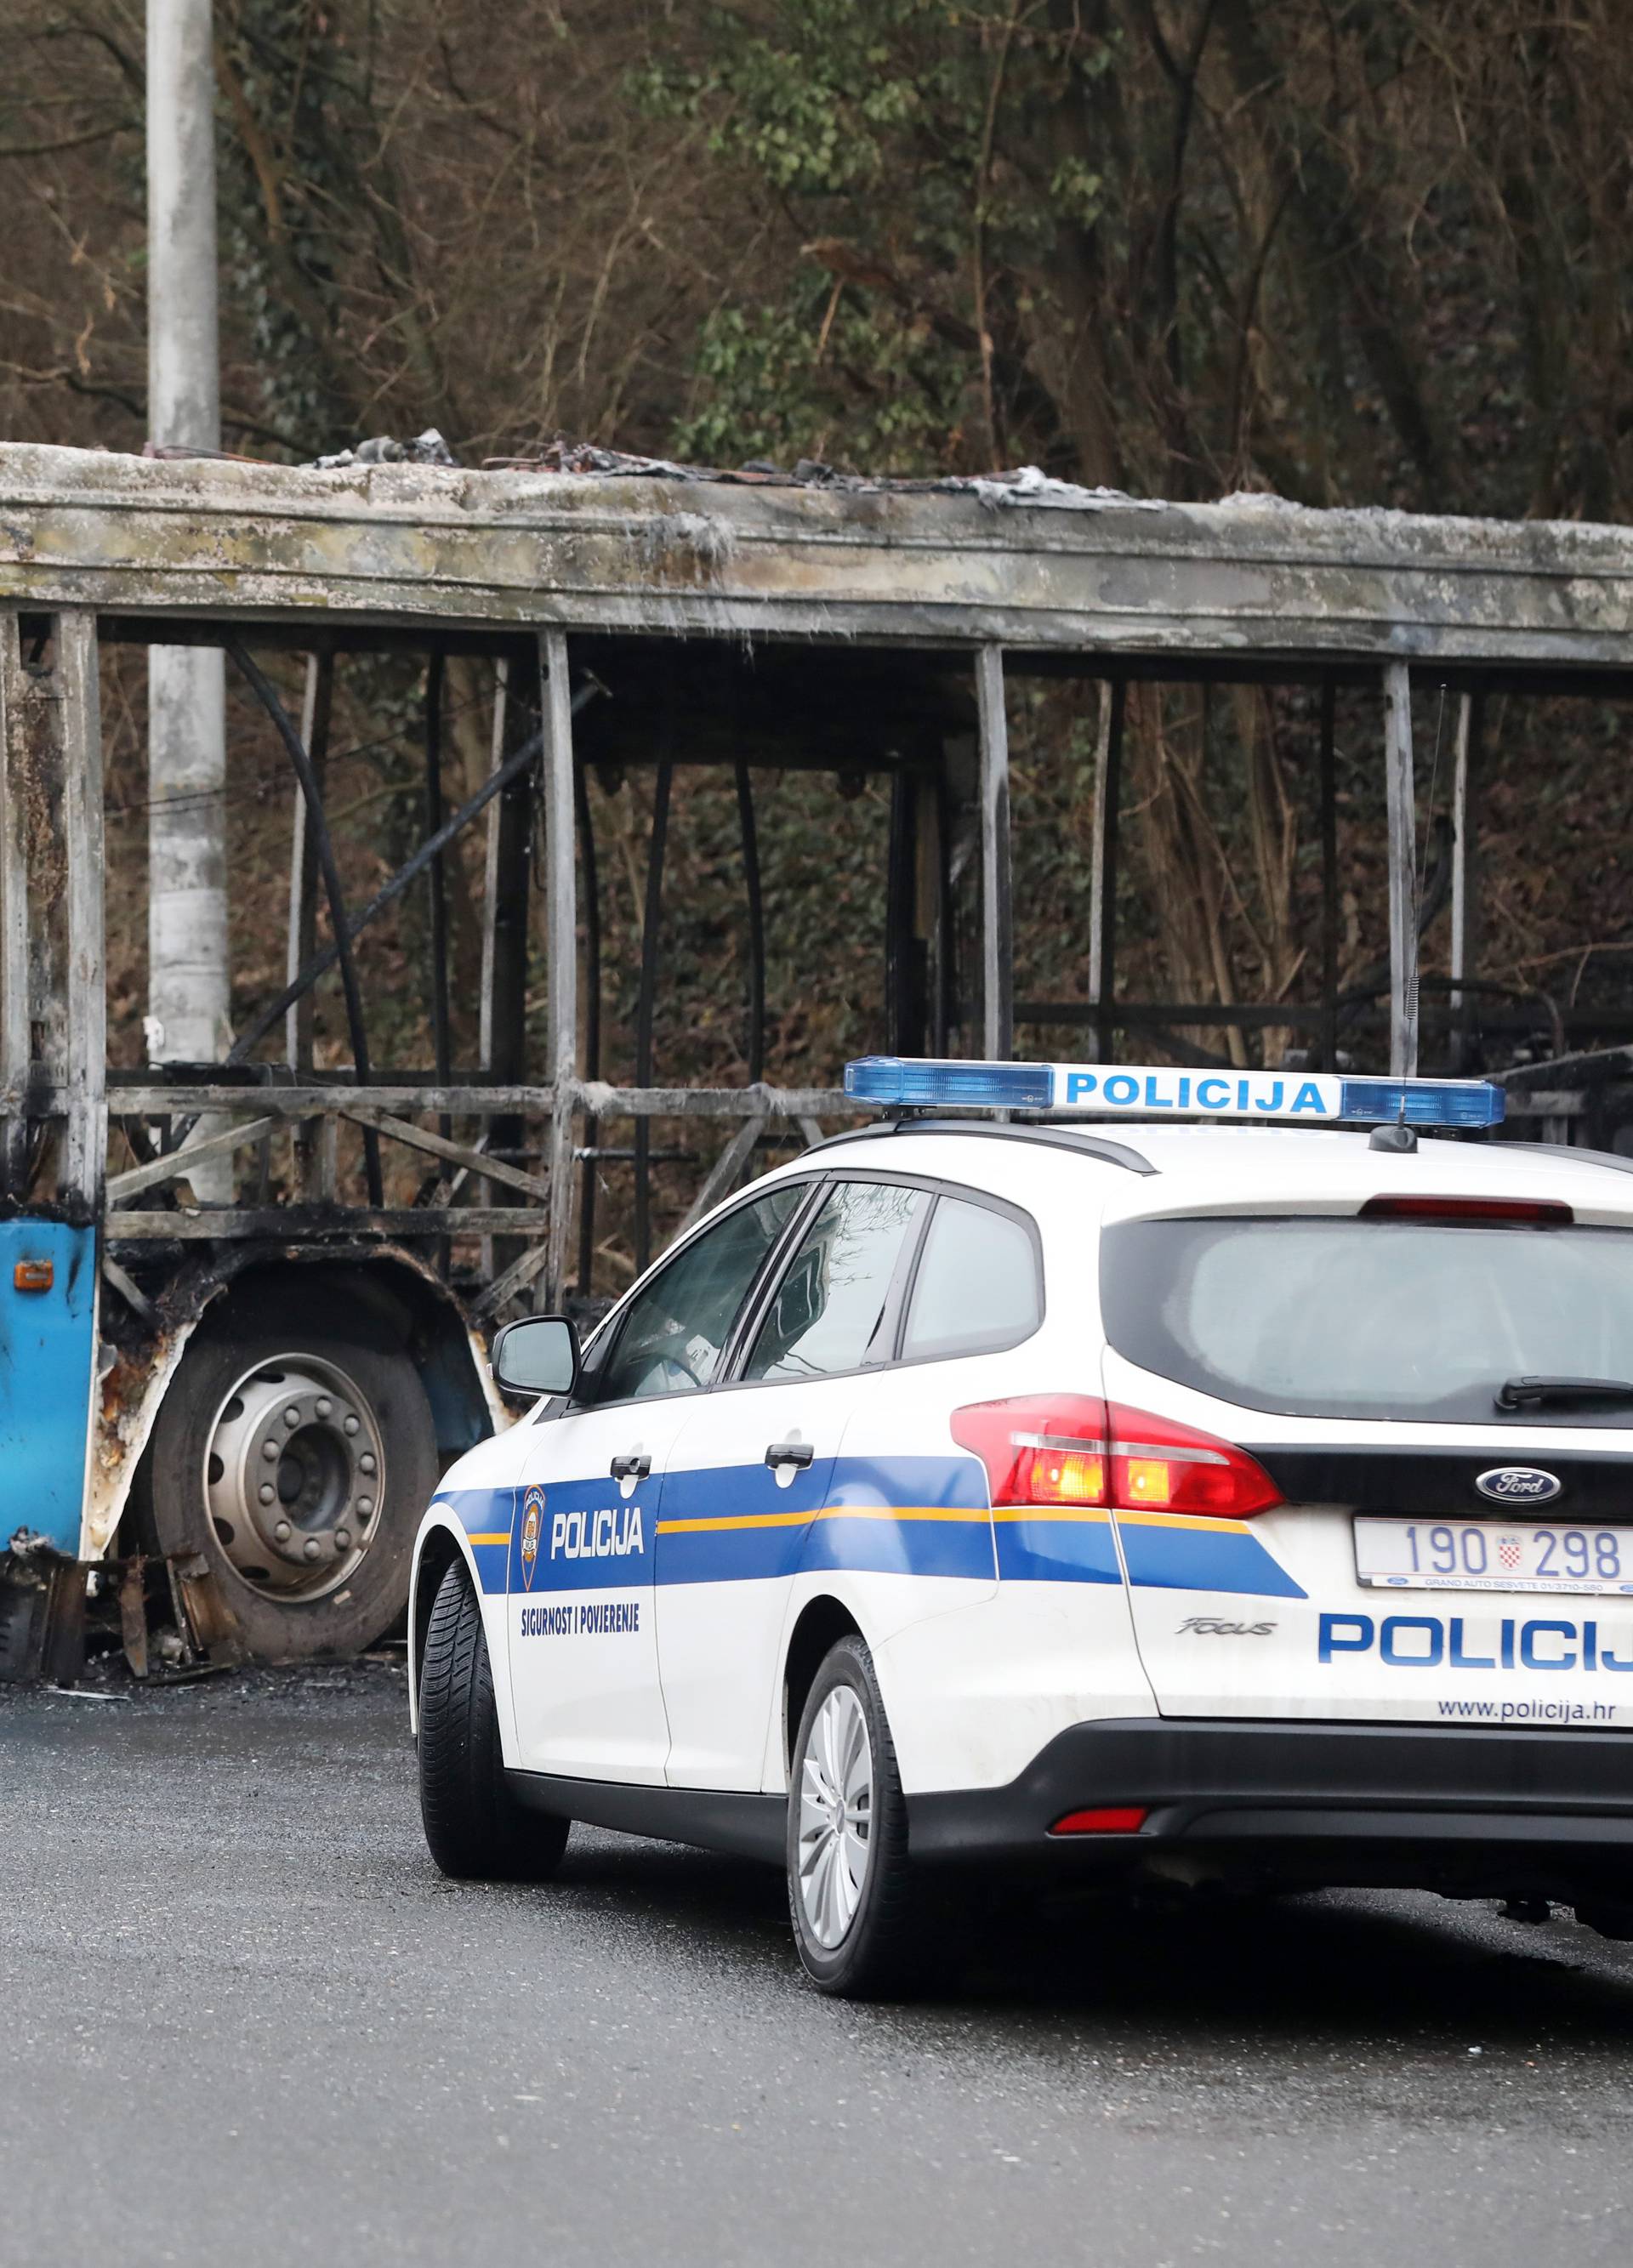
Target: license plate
point(1481, 1555)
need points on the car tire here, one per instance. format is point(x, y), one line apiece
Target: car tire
point(474, 1828)
point(858, 1939)
point(378, 1391)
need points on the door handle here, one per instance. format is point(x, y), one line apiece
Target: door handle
point(789, 1452)
point(631, 1468)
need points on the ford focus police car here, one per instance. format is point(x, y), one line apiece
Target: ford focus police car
point(1150, 1500)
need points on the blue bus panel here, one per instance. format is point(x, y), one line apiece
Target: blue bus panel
point(47, 1348)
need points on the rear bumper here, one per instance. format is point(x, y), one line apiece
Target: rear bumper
point(1391, 1805)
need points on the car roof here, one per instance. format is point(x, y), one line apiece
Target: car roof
point(1140, 1167)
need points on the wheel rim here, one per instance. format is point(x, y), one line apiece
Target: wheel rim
point(294, 1476)
point(836, 1816)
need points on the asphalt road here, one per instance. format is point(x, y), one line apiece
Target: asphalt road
point(242, 2018)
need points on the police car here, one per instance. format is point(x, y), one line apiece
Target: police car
point(1155, 1499)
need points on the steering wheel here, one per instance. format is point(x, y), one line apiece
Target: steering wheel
point(666, 1358)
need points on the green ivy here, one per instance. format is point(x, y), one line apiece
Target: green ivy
point(905, 132)
point(786, 382)
point(294, 73)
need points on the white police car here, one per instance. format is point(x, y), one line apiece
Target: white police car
point(1151, 1501)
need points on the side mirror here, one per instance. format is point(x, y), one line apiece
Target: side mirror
point(537, 1355)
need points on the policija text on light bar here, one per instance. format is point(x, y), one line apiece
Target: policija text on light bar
point(1144, 1090)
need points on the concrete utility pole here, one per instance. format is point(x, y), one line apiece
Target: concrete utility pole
point(186, 925)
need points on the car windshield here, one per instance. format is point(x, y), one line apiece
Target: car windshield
point(1356, 1318)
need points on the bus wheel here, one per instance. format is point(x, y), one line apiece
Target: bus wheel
point(300, 1468)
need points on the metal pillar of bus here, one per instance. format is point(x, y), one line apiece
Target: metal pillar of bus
point(1401, 810)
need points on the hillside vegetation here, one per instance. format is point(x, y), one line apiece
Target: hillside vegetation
point(1351, 251)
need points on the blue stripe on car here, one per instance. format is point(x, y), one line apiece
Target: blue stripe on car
point(881, 1515)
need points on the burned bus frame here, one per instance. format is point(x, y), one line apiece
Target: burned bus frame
point(657, 620)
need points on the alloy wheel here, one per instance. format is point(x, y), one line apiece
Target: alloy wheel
point(836, 1816)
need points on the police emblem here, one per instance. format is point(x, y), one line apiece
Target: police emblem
point(532, 1519)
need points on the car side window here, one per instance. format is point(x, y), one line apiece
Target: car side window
point(977, 1285)
point(675, 1327)
point(833, 1310)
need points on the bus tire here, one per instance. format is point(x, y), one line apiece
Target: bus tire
point(298, 1467)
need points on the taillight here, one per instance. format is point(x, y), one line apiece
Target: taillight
point(1070, 1449)
point(1165, 1467)
point(1104, 1819)
point(1044, 1449)
point(1525, 1212)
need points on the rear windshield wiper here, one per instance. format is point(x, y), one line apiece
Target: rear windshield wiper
point(1514, 1393)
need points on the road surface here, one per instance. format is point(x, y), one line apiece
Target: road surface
point(245, 2018)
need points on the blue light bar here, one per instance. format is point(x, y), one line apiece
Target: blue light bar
point(909, 1081)
point(1423, 1101)
point(1156, 1090)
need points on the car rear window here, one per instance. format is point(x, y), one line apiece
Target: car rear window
point(1356, 1318)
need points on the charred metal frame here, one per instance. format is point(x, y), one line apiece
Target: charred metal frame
point(52, 994)
point(648, 588)
point(646, 1005)
point(586, 831)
